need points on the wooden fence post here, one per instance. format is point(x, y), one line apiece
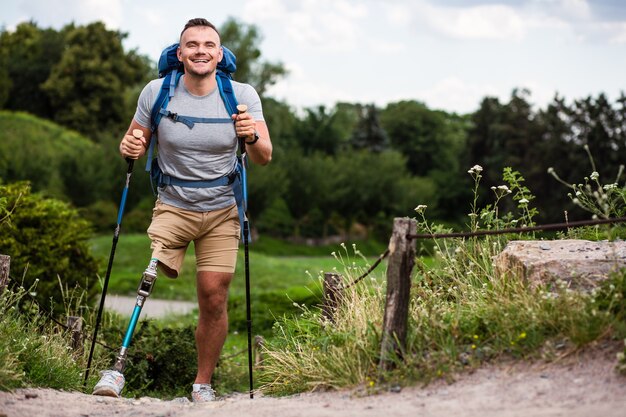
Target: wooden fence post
point(5, 266)
point(400, 265)
point(332, 295)
point(259, 342)
point(75, 325)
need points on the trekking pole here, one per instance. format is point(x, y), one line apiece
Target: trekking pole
point(116, 235)
point(242, 108)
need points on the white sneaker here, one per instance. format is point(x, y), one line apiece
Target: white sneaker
point(110, 385)
point(202, 393)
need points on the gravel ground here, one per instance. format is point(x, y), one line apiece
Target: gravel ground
point(583, 384)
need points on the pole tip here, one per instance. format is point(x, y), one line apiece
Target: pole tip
point(137, 133)
point(242, 108)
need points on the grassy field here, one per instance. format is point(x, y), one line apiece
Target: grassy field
point(277, 282)
point(267, 271)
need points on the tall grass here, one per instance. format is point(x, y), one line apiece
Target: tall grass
point(462, 313)
point(35, 351)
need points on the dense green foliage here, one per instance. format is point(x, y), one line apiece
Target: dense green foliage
point(396, 156)
point(47, 242)
point(57, 161)
point(513, 134)
point(78, 76)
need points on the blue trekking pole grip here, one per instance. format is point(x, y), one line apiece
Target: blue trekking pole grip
point(116, 234)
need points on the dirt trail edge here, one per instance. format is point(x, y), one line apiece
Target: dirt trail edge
point(580, 385)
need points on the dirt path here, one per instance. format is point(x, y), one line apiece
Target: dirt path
point(153, 307)
point(581, 385)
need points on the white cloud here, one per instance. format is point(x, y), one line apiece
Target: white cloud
point(329, 24)
point(479, 22)
point(301, 89)
point(565, 9)
point(456, 93)
point(264, 10)
point(398, 14)
point(576, 8)
point(55, 12)
point(151, 17)
point(619, 31)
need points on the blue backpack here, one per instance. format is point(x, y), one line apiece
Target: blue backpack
point(171, 69)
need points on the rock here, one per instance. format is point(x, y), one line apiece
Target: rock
point(395, 388)
point(580, 264)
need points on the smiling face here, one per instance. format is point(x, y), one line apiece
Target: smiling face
point(200, 51)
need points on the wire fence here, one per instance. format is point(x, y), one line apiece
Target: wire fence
point(479, 233)
point(545, 227)
point(330, 292)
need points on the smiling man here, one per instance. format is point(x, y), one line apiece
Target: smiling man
point(186, 212)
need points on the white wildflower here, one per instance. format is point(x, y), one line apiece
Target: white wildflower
point(421, 208)
point(476, 169)
point(594, 176)
point(524, 201)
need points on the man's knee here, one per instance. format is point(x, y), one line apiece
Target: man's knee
point(213, 292)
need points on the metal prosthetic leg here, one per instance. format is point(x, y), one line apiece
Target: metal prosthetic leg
point(145, 288)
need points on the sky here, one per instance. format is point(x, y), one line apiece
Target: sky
point(448, 54)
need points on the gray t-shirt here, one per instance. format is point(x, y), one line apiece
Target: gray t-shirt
point(205, 152)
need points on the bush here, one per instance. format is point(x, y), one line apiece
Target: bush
point(47, 242)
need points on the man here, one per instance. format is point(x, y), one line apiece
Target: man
point(206, 216)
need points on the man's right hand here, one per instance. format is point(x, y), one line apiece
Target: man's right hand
point(133, 144)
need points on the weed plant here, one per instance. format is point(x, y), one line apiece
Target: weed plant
point(34, 351)
point(462, 313)
point(310, 352)
point(602, 200)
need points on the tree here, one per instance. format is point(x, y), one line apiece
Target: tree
point(283, 125)
point(87, 86)
point(601, 127)
point(28, 55)
point(368, 133)
point(319, 132)
point(244, 41)
point(433, 143)
point(419, 133)
point(504, 135)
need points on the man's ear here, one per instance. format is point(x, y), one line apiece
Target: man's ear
point(221, 55)
point(179, 54)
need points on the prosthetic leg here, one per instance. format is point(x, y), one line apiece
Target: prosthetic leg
point(112, 381)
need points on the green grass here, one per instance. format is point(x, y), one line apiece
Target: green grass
point(34, 351)
point(267, 272)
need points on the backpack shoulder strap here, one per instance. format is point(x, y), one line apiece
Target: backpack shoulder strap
point(170, 81)
point(225, 87)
